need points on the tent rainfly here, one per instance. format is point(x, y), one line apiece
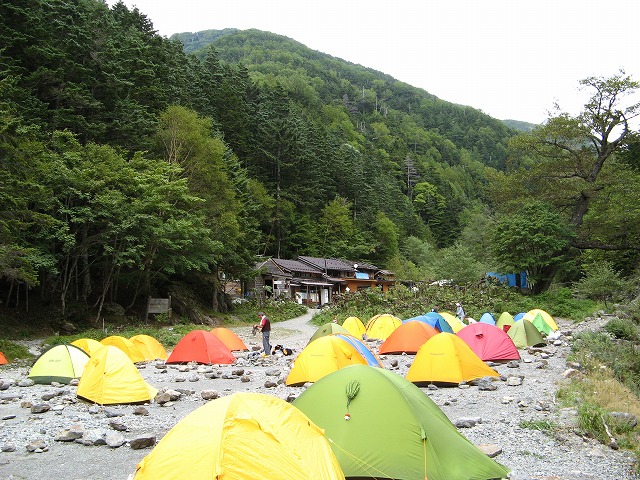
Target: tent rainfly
point(244, 435)
point(382, 426)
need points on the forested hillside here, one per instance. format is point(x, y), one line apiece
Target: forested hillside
point(133, 162)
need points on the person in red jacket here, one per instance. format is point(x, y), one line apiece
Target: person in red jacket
point(265, 327)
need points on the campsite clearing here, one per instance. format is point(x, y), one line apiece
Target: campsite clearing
point(508, 418)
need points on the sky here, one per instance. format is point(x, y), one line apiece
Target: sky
point(512, 59)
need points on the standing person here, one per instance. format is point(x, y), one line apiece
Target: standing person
point(265, 327)
point(460, 311)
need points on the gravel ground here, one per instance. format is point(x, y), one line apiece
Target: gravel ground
point(559, 454)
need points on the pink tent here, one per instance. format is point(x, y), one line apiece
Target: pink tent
point(489, 342)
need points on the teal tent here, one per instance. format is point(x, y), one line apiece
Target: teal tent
point(380, 425)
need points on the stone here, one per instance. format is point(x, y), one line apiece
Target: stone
point(143, 441)
point(40, 408)
point(50, 395)
point(245, 379)
point(272, 372)
point(37, 446)
point(209, 394)
point(571, 373)
point(269, 384)
point(111, 413)
point(193, 378)
point(624, 420)
point(486, 384)
point(141, 411)
point(467, 422)
point(117, 425)
point(115, 439)
point(513, 364)
point(8, 417)
point(70, 434)
point(514, 381)
point(26, 382)
point(490, 449)
point(240, 371)
point(93, 437)
point(8, 447)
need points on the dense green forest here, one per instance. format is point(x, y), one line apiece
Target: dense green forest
point(134, 162)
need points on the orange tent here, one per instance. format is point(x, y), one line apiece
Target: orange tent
point(3, 359)
point(202, 347)
point(230, 339)
point(446, 358)
point(408, 338)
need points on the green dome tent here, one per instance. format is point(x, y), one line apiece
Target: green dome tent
point(328, 329)
point(524, 334)
point(60, 363)
point(380, 425)
point(505, 319)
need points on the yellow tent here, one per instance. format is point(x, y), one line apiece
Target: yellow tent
point(321, 357)
point(383, 325)
point(453, 321)
point(151, 348)
point(89, 345)
point(110, 377)
point(354, 326)
point(244, 435)
point(531, 315)
point(446, 358)
point(126, 346)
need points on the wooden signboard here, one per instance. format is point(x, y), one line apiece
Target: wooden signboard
point(159, 305)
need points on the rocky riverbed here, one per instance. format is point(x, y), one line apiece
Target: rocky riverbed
point(47, 432)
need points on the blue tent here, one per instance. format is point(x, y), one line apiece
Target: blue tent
point(434, 319)
point(519, 316)
point(368, 355)
point(487, 318)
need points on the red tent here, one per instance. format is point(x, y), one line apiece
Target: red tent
point(202, 347)
point(408, 337)
point(489, 342)
point(3, 360)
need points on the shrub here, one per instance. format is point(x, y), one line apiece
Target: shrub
point(622, 328)
point(13, 351)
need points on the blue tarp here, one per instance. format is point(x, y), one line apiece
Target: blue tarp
point(362, 275)
point(511, 279)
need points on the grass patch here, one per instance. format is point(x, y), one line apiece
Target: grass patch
point(526, 453)
point(595, 399)
point(541, 425)
point(14, 351)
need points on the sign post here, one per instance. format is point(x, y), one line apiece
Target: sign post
point(158, 305)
